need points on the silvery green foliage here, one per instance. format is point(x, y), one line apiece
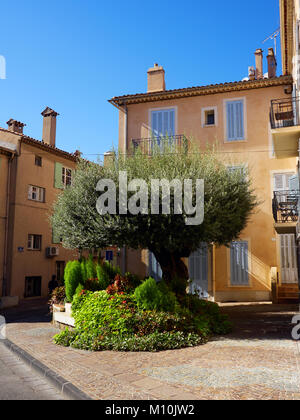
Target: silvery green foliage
point(229, 202)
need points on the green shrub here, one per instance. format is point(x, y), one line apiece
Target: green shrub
point(84, 276)
point(100, 313)
point(151, 343)
point(72, 279)
point(103, 277)
point(133, 279)
point(91, 268)
point(152, 296)
point(202, 309)
point(111, 271)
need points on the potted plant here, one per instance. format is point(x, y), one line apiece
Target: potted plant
point(57, 300)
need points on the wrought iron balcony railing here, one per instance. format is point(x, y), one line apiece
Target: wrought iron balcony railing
point(284, 113)
point(286, 206)
point(161, 143)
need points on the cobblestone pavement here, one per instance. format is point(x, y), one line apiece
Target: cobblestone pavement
point(18, 382)
point(258, 361)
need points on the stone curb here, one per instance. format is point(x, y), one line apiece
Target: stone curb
point(61, 384)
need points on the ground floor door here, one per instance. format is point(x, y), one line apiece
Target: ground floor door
point(198, 267)
point(288, 256)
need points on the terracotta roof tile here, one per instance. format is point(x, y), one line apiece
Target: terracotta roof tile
point(201, 90)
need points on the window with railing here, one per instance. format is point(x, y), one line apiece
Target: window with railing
point(286, 206)
point(284, 113)
point(161, 143)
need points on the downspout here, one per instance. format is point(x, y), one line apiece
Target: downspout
point(5, 280)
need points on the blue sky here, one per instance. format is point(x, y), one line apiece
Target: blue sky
point(73, 55)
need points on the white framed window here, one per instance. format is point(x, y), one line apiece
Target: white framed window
point(36, 193)
point(34, 242)
point(209, 116)
point(235, 120)
point(66, 177)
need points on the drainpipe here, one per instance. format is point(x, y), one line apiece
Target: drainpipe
point(5, 291)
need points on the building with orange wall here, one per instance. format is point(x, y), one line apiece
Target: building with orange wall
point(32, 173)
point(236, 117)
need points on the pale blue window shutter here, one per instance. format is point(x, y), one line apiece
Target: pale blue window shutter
point(235, 120)
point(230, 121)
point(155, 269)
point(163, 122)
point(239, 264)
point(239, 106)
point(154, 124)
point(198, 269)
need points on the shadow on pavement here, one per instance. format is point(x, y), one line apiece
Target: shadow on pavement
point(261, 321)
point(35, 311)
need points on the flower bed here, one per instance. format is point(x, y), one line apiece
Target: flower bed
point(143, 318)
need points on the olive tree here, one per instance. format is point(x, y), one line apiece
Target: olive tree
point(228, 204)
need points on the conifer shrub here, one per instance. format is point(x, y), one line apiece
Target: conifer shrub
point(73, 278)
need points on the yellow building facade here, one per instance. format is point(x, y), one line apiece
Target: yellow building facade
point(32, 174)
point(236, 118)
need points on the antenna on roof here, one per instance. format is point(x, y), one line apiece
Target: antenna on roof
point(274, 37)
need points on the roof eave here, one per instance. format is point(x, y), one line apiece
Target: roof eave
point(200, 91)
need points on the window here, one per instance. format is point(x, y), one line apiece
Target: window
point(36, 194)
point(239, 263)
point(282, 182)
point(34, 242)
point(62, 176)
point(239, 168)
point(60, 270)
point(66, 177)
point(235, 126)
point(163, 122)
point(155, 270)
point(33, 287)
point(38, 161)
point(209, 117)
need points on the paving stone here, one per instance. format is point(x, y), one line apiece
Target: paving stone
point(258, 361)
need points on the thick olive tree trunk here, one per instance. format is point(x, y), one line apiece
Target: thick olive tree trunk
point(175, 271)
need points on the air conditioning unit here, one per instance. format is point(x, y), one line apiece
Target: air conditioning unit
point(52, 251)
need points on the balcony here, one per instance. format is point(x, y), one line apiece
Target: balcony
point(177, 143)
point(285, 126)
point(286, 210)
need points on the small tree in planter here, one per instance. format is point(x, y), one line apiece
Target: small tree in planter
point(73, 277)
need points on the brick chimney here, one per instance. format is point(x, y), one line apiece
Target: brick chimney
point(15, 126)
point(49, 126)
point(259, 64)
point(272, 63)
point(156, 79)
